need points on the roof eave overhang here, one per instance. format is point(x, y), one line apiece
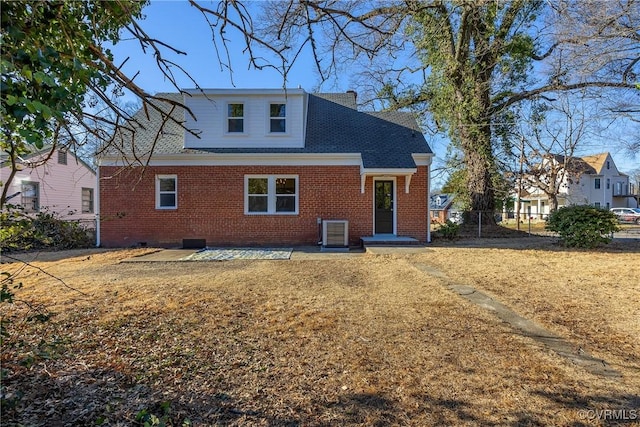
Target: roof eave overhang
point(420, 159)
point(384, 172)
point(242, 159)
point(244, 92)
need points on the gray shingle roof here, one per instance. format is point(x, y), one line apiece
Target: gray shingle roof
point(385, 139)
point(334, 125)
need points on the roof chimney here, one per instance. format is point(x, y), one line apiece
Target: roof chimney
point(355, 94)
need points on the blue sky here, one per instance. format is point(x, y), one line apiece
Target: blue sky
point(183, 27)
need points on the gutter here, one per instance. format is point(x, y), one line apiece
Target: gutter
point(428, 203)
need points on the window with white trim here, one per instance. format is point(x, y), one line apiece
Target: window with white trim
point(271, 194)
point(235, 118)
point(597, 183)
point(87, 200)
point(277, 118)
point(166, 191)
point(30, 196)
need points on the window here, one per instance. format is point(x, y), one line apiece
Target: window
point(62, 157)
point(608, 183)
point(87, 200)
point(271, 195)
point(166, 192)
point(235, 118)
point(258, 195)
point(30, 193)
point(277, 118)
point(597, 183)
point(608, 165)
point(596, 204)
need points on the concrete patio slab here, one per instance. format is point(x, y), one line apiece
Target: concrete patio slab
point(298, 253)
point(163, 255)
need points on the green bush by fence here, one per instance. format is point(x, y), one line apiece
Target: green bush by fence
point(583, 226)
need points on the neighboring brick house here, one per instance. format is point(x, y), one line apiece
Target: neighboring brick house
point(593, 180)
point(269, 168)
point(443, 207)
point(53, 180)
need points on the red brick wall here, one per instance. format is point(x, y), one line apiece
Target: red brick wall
point(412, 207)
point(211, 206)
point(439, 216)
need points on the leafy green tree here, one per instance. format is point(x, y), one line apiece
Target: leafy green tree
point(52, 59)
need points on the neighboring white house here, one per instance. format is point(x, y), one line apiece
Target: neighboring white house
point(63, 184)
point(593, 180)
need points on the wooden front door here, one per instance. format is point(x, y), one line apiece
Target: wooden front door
point(383, 207)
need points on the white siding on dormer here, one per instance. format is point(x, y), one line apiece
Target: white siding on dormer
point(211, 114)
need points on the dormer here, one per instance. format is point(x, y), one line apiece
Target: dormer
point(246, 118)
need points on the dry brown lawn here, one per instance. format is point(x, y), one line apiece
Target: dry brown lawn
point(364, 340)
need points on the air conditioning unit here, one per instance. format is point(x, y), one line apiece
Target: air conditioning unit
point(335, 233)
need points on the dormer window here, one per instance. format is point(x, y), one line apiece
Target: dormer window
point(235, 118)
point(277, 118)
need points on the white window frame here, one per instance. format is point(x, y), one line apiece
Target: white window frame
point(158, 192)
point(271, 194)
point(227, 118)
point(285, 118)
point(90, 192)
point(31, 204)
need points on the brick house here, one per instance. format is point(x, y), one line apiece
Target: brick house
point(443, 207)
point(267, 167)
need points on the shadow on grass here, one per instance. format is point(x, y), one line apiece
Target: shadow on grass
point(375, 410)
point(617, 409)
point(106, 396)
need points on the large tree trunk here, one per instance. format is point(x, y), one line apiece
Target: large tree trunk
point(7, 183)
point(479, 164)
point(553, 201)
point(474, 130)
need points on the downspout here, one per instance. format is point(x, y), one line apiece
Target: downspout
point(97, 201)
point(428, 203)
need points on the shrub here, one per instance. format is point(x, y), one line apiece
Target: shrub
point(583, 226)
point(45, 230)
point(449, 230)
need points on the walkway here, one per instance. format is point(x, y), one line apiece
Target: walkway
point(527, 327)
